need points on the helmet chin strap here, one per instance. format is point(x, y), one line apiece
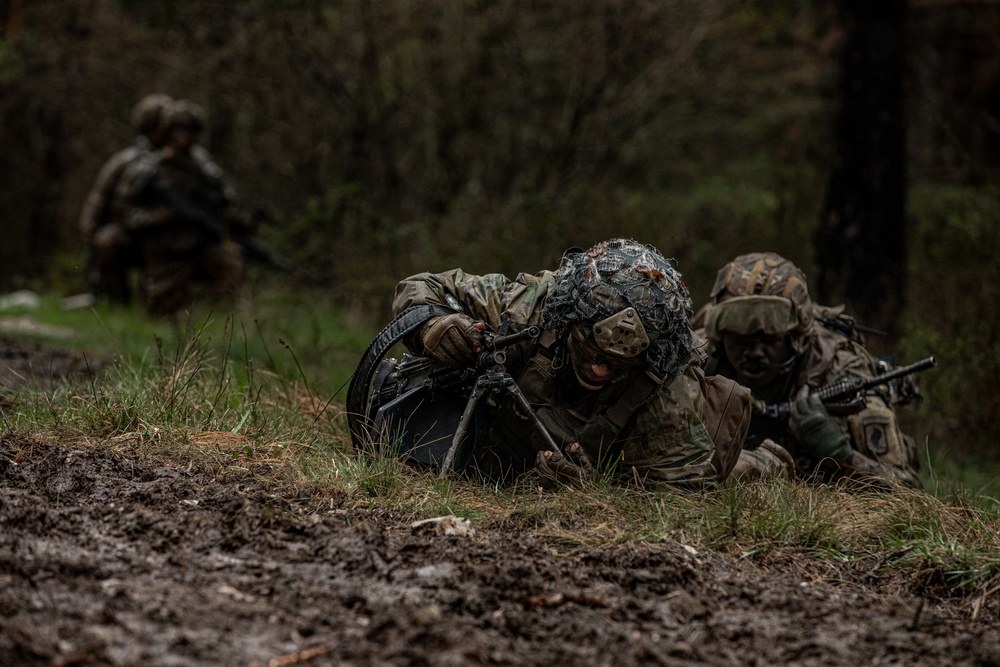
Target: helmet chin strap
point(784, 365)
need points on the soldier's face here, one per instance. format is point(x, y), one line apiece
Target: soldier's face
point(181, 139)
point(759, 359)
point(593, 368)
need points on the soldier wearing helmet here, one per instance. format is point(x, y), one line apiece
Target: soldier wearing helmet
point(610, 377)
point(763, 330)
point(111, 252)
point(182, 212)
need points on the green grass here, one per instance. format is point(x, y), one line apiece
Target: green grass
point(293, 334)
point(236, 397)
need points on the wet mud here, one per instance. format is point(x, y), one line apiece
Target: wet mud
point(106, 560)
point(110, 560)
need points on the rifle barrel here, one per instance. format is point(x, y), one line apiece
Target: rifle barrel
point(500, 342)
point(903, 371)
point(849, 386)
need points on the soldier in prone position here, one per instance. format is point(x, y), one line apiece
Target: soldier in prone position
point(610, 375)
point(764, 331)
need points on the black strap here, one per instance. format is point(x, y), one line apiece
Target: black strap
point(357, 393)
point(640, 391)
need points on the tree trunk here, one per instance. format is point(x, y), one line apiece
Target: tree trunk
point(861, 241)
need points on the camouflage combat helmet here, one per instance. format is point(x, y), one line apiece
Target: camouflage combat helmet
point(148, 112)
point(631, 297)
point(760, 292)
point(183, 113)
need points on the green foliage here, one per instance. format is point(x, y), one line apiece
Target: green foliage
point(11, 62)
point(422, 138)
point(954, 280)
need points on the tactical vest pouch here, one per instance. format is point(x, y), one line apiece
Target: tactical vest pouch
point(728, 412)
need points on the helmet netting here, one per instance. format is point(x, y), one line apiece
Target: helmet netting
point(617, 274)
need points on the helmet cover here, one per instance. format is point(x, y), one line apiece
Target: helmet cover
point(183, 113)
point(147, 114)
point(760, 292)
point(607, 286)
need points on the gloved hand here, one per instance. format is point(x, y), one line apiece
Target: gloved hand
point(768, 460)
point(816, 431)
point(571, 469)
point(453, 339)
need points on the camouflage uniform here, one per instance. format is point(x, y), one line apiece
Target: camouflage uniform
point(665, 440)
point(764, 292)
point(180, 209)
point(110, 248)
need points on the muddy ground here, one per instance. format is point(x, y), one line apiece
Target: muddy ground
point(105, 560)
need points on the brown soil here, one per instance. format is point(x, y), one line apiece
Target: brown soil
point(24, 362)
point(107, 560)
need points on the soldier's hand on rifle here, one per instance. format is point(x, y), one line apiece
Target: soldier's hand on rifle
point(453, 339)
point(571, 469)
point(816, 431)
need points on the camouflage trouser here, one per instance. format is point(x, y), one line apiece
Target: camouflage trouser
point(178, 270)
point(113, 253)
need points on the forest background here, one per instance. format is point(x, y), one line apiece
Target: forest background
point(381, 139)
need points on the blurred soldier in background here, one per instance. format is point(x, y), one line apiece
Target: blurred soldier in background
point(183, 216)
point(764, 331)
point(110, 251)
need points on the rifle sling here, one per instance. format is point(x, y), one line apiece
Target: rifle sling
point(640, 391)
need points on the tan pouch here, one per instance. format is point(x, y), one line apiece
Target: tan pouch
point(728, 410)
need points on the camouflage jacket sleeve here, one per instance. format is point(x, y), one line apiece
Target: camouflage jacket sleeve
point(233, 215)
point(881, 451)
point(669, 442)
point(97, 208)
point(489, 298)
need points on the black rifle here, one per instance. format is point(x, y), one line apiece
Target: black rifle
point(205, 215)
point(849, 327)
point(486, 375)
point(848, 388)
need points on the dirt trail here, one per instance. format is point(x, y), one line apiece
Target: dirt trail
point(106, 560)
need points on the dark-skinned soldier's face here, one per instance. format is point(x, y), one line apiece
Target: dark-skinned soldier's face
point(759, 359)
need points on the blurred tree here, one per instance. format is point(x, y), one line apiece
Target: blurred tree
point(861, 241)
point(11, 16)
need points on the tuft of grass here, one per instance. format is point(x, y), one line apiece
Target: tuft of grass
point(208, 397)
